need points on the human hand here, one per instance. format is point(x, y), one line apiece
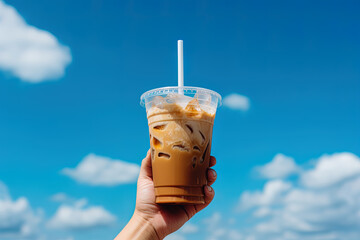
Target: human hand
point(166, 219)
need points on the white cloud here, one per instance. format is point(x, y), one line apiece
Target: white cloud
point(324, 204)
point(80, 216)
point(273, 193)
point(175, 236)
point(29, 53)
point(60, 197)
point(189, 228)
point(235, 235)
point(99, 170)
point(280, 167)
point(332, 169)
point(17, 218)
point(236, 102)
point(262, 212)
point(217, 228)
point(213, 220)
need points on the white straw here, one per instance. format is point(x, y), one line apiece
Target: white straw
point(180, 66)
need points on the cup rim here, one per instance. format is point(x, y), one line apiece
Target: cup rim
point(156, 91)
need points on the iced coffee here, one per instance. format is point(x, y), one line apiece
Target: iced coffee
point(180, 128)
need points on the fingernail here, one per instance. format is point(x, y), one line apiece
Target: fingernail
point(209, 188)
point(213, 173)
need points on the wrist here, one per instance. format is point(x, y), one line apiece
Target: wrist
point(138, 228)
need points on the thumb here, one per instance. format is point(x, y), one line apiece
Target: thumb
point(146, 169)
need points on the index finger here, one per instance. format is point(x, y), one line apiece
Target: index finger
point(212, 161)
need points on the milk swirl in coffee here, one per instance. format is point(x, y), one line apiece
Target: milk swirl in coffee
point(180, 139)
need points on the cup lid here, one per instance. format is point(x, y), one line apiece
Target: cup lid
point(187, 91)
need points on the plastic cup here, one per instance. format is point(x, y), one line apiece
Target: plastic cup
point(180, 123)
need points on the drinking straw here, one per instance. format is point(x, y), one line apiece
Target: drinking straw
point(180, 66)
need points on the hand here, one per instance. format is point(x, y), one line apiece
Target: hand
point(166, 219)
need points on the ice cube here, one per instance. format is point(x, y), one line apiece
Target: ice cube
point(179, 99)
point(193, 107)
point(183, 101)
point(205, 102)
point(203, 98)
point(157, 104)
point(158, 101)
point(171, 98)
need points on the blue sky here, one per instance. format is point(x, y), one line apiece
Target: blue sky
point(69, 94)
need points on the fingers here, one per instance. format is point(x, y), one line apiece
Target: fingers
point(208, 190)
point(209, 196)
point(211, 173)
point(211, 176)
point(212, 161)
point(146, 170)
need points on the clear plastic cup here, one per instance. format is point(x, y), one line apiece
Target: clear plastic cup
point(180, 124)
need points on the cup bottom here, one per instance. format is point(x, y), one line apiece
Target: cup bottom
point(180, 200)
point(179, 195)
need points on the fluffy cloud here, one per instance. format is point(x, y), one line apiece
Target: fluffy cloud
point(332, 169)
point(29, 53)
point(80, 216)
point(175, 236)
point(189, 228)
point(213, 227)
point(273, 192)
point(323, 204)
point(236, 102)
point(60, 197)
point(17, 219)
point(280, 167)
point(217, 228)
point(98, 170)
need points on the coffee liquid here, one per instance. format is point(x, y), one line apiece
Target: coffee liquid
point(180, 140)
